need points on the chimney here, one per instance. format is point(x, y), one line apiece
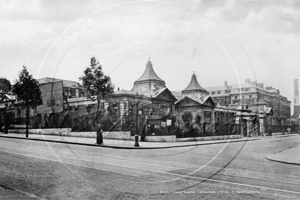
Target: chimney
point(278, 91)
point(296, 93)
point(296, 100)
point(269, 88)
point(254, 83)
point(225, 83)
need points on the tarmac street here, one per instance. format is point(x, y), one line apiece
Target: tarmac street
point(238, 170)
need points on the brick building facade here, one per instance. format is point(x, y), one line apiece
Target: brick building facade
point(248, 93)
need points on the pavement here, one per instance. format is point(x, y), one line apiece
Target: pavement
point(289, 156)
point(120, 144)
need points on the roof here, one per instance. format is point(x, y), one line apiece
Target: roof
point(260, 102)
point(220, 95)
point(194, 85)
point(151, 94)
point(177, 94)
point(233, 86)
point(66, 83)
point(146, 93)
point(198, 100)
point(9, 97)
point(236, 86)
point(149, 74)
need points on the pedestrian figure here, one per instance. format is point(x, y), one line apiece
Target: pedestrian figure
point(143, 135)
point(204, 128)
point(99, 135)
point(270, 131)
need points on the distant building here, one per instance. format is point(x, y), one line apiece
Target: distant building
point(248, 93)
point(55, 93)
point(7, 100)
point(296, 114)
point(71, 89)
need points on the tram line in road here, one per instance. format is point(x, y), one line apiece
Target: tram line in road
point(169, 173)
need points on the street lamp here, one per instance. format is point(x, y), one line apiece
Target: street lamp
point(136, 137)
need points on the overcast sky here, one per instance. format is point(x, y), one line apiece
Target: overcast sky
point(219, 40)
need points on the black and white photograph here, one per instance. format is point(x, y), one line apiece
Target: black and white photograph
point(149, 99)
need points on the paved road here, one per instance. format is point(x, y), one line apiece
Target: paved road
point(40, 170)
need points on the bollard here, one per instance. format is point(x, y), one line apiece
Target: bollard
point(136, 141)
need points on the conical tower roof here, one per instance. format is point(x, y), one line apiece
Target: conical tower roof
point(194, 85)
point(149, 74)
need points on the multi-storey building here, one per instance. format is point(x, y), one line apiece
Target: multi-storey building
point(249, 93)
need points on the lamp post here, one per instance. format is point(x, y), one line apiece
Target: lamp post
point(143, 135)
point(5, 121)
point(136, 137)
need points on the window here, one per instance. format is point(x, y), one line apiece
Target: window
point(207, 114)
point(250, 96)
point(219, 92)
point(235, 97)
point(212, 93)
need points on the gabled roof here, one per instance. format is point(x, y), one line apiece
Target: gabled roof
point(177, 94)
point(200, 101)
point(194, 85)
point(269, 111)
point(165, 90)
point(151, 94)
point(9, 97)
point(149, 74)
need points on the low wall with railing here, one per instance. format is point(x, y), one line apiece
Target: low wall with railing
point(165, 138)
point(223, 137)
point(19, 126)
point(119, 135)
point(51, 131)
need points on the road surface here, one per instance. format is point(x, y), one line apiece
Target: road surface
point(41, 170)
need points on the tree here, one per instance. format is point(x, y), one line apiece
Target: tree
point(28, 91)
point(187, 118)
point(5, 85)
point(96, 83)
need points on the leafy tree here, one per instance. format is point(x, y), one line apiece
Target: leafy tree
point(187, 118)
point(28, 91)
point(5, 85)
point(96, 83)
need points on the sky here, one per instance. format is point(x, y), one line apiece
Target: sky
point(219, 40)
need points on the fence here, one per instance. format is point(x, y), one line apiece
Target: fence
point(279, 128)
